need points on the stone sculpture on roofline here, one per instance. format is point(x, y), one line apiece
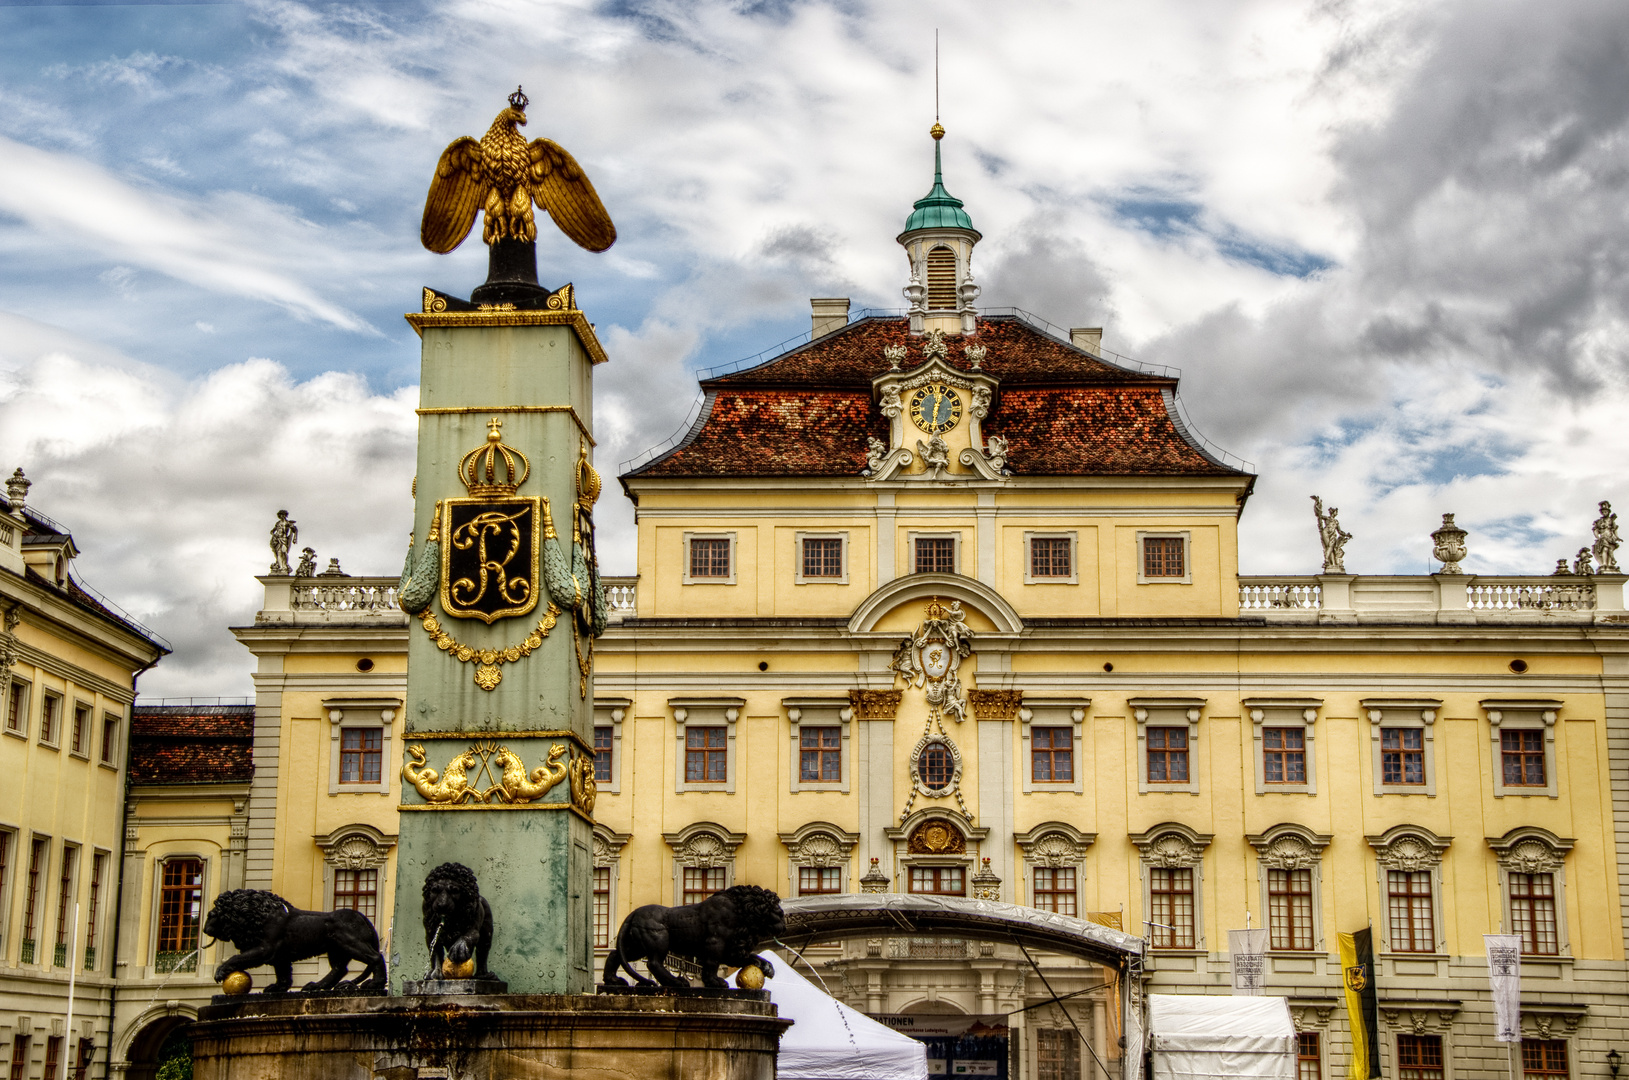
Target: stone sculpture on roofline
point(1331, 536)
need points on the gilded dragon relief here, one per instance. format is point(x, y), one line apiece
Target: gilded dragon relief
point(487, 773)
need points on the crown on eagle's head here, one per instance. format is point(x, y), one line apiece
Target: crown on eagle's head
point(519, 100)
point(489, 469)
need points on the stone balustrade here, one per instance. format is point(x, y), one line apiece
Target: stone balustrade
point(1436, 598)
point(329, 600)
point(621, 594)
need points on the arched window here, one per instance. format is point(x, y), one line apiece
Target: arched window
point(941, 279)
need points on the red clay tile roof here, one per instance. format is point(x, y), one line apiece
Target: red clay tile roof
point(192, 744)
point(1063, 411)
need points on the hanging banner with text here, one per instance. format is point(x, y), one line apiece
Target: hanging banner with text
point(1505, 977)
point(1249, 951)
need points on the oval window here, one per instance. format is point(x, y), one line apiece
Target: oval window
point(936, 766)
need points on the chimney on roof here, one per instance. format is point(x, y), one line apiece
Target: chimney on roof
point(829, 314)
point(1089, 338)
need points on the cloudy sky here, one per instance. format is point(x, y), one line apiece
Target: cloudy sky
point(1385, 243)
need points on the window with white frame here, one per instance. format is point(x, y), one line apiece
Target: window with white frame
point(820, 730)
point(1163, 558)
point(110, 738)
point(709, 558)
point(354, 861)
point(1544, 1059)
point(1289, 861)
point(17, 708)
point(1523, 736)
point(180, 901)
point(50, 718)
point(935, 553)
point(1172, 859)
point(1057, 1054)
point(1532, 865)
point(1050, 558)
point(1050, 739)
point(98, 887)
point(79, 734)
point(609, 715)
point(608, 846)
point(360, 734)
point(1402, 742)
point(705, 730)
point(1408, 859)
point(1167, 738)
point(1054, 858)
point(821, 558)
point(817, 858)
point(8, 858)
point(1283, 731)
point(703, 860)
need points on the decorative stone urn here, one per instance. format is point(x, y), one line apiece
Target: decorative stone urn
point(1449, 546)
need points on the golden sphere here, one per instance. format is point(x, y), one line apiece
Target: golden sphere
point(237, 983)
point(750, 977)
point(466, 970)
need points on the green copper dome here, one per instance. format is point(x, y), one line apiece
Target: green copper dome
point(938, 209)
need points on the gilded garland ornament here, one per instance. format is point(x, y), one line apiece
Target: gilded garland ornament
point(487, 661)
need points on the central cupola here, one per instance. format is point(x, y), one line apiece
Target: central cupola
point(938, 240)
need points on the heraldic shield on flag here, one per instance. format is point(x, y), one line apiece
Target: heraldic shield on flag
point(489, 556)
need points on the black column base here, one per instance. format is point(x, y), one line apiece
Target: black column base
point(511, 276)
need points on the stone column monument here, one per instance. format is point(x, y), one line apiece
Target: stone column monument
point(502, 579)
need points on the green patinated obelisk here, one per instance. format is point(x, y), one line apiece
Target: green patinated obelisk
point(501, 583)
point(500, 713)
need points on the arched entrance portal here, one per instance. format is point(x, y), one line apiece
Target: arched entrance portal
point(148, 1047)
point(816, 919)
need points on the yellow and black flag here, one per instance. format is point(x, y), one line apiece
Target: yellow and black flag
point(1362, 1006)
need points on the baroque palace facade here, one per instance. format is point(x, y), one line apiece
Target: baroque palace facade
point(949, 602)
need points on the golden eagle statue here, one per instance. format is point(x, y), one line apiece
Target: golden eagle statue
point(503, 174)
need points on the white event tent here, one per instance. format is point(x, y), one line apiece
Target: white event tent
point(830, 1041)
point(1198, 1037)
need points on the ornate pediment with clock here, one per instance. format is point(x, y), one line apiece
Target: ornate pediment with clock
point(934, 412)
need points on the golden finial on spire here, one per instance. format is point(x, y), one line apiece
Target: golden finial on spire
point(937, 131)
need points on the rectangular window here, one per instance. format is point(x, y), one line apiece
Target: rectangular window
point(1049, 557)
point(1167, 755)
point(53, 1056)
point(935, 555)
point(602, 907)
point(602, 755)
point(710, 557)
point(19, 1057)
point(16, 711)
point(1408, 906)
point(1546, 1058)
point(1523, 754)
point(50, 708)
point(822, 557)
point(1419, 1057)
point(1308, 1060)
point(1052, 755)
point(361, 755)
point(1532, 912)
point(98, 868)
point(180, 902)
point(1402, 755)
point(1164, 557)
point(65, 906)
point(1289, 909)
point(1170, 895)
point(357, 890)
point(1057, 1054)
point(37, 855)
point(110, 736)
point(87, 1050)
point(700, 882)
point(815, 880)
point(76, 742)
point(1055, 889)
point(939, 880)
point(820, 754)
point(705, 758)
point(1284, 755)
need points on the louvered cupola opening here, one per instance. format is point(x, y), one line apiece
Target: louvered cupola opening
point(941, 279)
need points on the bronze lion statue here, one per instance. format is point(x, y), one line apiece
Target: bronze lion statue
point(726, 928)
point(269, 930)
point(457, 919)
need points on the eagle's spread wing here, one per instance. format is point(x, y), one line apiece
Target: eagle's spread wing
point(559, 186)
point(456, 193)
